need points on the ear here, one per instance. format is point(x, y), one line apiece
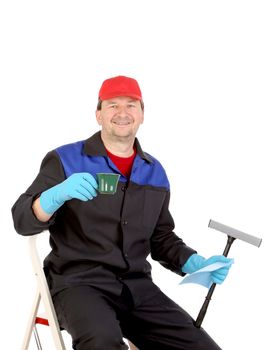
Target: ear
point(99, 117)
point(142, 117)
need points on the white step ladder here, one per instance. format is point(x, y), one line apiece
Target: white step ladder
point(43, 294)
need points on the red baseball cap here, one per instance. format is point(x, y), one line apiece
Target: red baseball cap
point(120, 86)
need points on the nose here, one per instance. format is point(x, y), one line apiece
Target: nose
point(122, 111)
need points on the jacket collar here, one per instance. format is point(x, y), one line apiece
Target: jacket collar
point(94, 147)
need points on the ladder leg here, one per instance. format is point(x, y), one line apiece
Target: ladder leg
point(46, 296)
point(31, 321)
point(132, 346)
point(37, 338)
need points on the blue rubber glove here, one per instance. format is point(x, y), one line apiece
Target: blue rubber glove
point(196, 262)
point(81, 186)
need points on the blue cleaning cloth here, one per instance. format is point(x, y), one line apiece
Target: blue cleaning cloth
point(203, 276)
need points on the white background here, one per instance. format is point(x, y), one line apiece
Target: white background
point(204, 69)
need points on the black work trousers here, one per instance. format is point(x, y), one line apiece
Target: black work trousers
point(97, 320)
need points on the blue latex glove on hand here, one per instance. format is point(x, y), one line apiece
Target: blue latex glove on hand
point(81, 186)
point(196, 262)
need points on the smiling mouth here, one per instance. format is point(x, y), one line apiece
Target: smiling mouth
point(124, 123)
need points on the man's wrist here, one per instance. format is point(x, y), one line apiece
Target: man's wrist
point(193, 263)
point(40, 214)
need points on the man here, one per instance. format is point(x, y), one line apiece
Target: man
point(97, 270)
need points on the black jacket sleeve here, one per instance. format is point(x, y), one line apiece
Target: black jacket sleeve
point(51, 173)
point(166, 246)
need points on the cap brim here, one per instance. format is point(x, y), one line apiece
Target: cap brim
point(121, 94)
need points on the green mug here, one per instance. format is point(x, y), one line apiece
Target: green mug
point(107, 182)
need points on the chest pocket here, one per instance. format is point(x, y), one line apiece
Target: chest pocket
point(153, 202)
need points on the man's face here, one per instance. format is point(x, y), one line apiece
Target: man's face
point(120, 117)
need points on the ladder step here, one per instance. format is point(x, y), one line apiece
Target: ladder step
point(41, 320)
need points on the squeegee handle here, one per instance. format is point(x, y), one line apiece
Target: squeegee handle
point(204, 307)
point(208, 297)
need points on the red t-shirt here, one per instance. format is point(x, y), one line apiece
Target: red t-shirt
point(124, 164)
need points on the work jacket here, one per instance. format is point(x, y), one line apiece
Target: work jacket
point(104, 242)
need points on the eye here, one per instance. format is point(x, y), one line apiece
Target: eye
point(113, 106)
point(131, 105)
